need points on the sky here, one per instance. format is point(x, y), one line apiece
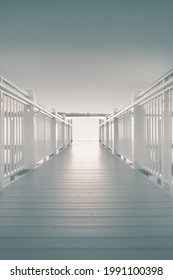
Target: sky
point(85, 56)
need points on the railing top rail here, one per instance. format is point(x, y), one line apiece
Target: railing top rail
point(165, 82)
point(9, 85)
point(20, 95)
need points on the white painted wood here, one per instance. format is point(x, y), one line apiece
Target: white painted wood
point(100, 130)
point(1, 137)
point(166, 142)
point(136, 127)
point(28, 138)
point(148, 142)
point(107, 134)
point(85, 200)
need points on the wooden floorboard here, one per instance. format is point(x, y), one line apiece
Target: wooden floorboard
point(85, 203)
point(85, 221)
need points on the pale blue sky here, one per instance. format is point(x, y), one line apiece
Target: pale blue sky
point(85, 56)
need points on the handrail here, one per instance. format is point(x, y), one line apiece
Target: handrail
point(158, 83)
point(10, 85)
point(23, 97)
point(166, 82)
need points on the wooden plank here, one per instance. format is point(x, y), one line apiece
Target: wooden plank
point(76, 198)
point(85, 221)
point(86, 231)
point(87, 254)
point(71, 212)
point(86, 243)
point(85, 205)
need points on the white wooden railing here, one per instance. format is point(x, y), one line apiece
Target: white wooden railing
point(29, 132)
point(141, 132)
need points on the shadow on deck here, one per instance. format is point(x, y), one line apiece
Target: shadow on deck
point(85, 204)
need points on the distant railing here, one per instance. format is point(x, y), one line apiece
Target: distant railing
point(29, 132)
point(143, 132)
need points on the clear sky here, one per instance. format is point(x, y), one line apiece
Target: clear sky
point(85, 55)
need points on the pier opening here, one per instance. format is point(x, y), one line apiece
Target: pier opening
point(85, 129)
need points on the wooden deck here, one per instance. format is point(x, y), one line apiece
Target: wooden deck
point(85, 204)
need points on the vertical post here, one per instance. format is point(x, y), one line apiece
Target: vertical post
point(136, 126)
point(107, 134)
point(102, 134)
point(1, 137)
point(63, 133)
point(112, 133)
point(29, 141)
point(67, 133)
point(135, 137)
point(115, 124)
point(115, 134)
point(100, 131)
point(54, 133)
point(166, 150)
point(71, 132)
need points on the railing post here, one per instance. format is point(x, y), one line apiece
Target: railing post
point(58, 135)
point(112, 133)
point(1, 138)
point(136, 126)
point(107, 134)
point(166, 148)
point(67, 134)
point(63, 132)
point(115, 134)
point(102, 127)
point(28, 135)
point(100, 130)
point(54, 133)
point(71, 132)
